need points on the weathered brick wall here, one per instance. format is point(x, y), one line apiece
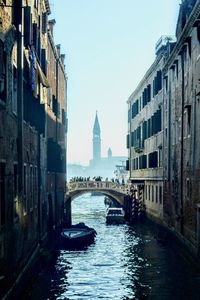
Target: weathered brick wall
point(181, 107)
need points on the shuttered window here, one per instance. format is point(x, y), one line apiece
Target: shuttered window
point(44, 23)
point(127, 141)
point(63, 117)
point(43, 61)
point(27, 26)
point(35, 36)
point(135, 108)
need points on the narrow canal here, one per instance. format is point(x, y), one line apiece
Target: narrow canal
point(124, 263)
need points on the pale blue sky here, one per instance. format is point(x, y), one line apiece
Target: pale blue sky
point(109, 45)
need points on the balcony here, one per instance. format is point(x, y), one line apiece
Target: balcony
point(139, 146)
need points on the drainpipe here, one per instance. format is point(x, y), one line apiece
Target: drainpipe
point(20, 109)
point(182, 140)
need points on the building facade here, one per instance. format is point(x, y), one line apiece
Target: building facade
point(145, 134)
point(182, 127)
point(56, 129)
point(163, 131)
point(24, 96)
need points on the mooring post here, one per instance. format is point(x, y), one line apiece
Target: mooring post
point(68, 213)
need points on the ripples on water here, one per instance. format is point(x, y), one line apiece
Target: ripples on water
point(124, 263)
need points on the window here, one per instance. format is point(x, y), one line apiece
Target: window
point(143, 162)
point(146, 191)
point(2, 73)
point(15, 189)
point(160, 152)
point(31, 187)
point(156, 194)
point(27, 26)
point(188, 188)
point(44, 23)
point(136, 163)
point(135, 108)
point(127, 165)
point(188, 111)
point(160, 194)
point(35, 185)
point(2, 194)
point(43, 61)
point(25, 189)
point(166, 83)
point(152, 193)
point(153, 159)
point(127, 141)
point(149, 193)
point(148, 93)
point(35, 36)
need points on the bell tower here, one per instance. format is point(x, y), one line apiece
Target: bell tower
point(96, 140)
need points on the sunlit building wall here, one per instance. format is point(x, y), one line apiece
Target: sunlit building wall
point(145, 133)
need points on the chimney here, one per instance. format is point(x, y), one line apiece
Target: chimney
point(51, 25)
point(58, 49)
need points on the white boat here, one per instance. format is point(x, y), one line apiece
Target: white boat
point(115, 215)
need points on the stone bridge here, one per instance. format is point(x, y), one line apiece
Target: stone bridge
point(114, 191)
point(107, 188)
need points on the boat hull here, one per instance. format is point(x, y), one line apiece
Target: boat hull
point(77, 237)
point(115, 220)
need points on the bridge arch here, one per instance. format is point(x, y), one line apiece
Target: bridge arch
point(104, 193)
point(107, 188)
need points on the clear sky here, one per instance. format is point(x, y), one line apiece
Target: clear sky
point(109, 45)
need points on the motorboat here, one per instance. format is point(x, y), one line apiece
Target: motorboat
point(115, 215)
point(78, 236)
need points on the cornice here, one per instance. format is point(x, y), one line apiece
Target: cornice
point(186, 31)
point(146, 76)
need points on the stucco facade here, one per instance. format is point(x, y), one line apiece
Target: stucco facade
point(145, 134)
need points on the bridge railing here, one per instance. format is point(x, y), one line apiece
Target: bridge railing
point(96, 185)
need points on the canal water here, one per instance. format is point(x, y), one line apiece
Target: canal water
point(124, 263)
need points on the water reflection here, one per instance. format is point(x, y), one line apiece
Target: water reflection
point(125, 263)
